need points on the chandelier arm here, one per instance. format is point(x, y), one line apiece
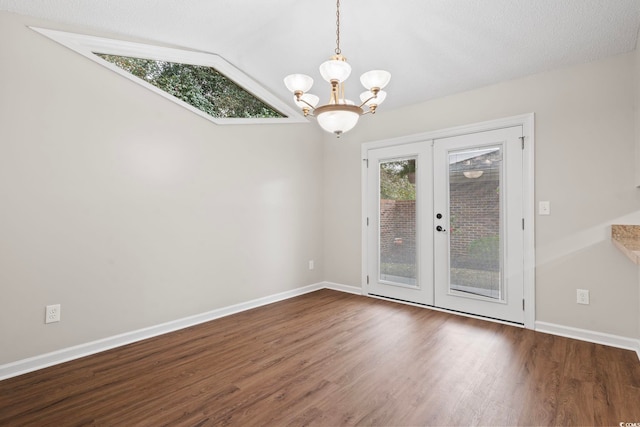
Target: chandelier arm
point(312, 107)
point(374, 96)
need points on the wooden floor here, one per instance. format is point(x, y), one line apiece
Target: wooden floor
point(330, 358)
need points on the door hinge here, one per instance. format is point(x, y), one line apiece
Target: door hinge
point(367, 279)
point(523, 223)
point(367, 221)
point(522, 304)
point(522, 141)
point(366, 161)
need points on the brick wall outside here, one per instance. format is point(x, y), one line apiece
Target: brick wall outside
point(397, 231)
point(474, 215)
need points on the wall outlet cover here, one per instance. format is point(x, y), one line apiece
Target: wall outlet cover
point(582, 296)
point(52, 313)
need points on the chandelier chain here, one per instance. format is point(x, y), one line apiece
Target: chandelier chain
point(338, 51)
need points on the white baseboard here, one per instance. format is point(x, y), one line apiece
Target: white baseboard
point(66, 354)
point(342, 288)
point(589, 336)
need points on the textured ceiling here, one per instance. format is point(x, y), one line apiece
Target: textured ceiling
point(432, 48)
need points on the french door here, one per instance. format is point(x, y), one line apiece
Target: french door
point(445, 223)
point(400, 206)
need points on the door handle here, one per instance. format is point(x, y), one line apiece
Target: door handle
point(440, 229)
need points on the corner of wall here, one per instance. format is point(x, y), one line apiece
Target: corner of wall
point(636, 110)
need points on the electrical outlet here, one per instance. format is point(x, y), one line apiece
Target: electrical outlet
point(52, 313)
point(311, 265)
point(582, 296)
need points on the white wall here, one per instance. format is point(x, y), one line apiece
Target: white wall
point(584, 166)
point(130, 210)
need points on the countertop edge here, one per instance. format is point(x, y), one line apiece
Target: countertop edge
point(627, 241)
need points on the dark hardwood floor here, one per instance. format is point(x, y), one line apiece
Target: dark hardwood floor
point(330, 358)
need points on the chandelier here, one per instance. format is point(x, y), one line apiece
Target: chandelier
point(340, 115)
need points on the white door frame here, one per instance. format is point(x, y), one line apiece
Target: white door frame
point(527, 123)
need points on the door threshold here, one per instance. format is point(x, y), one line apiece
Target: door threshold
point(446, 310)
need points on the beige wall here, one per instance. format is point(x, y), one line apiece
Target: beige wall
point(584, 166)
point(130, 210)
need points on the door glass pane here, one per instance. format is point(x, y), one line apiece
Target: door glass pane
point(475, 221)
point(398, 257)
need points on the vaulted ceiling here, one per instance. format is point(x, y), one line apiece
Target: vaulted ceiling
point(432, 48)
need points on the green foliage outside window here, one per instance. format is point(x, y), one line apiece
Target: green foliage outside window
point(202, 87)
point(394, 180)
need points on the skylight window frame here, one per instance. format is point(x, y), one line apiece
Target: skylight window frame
point(88, 46)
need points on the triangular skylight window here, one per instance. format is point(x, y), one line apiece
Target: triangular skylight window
point(202, 82)
point(201, 87)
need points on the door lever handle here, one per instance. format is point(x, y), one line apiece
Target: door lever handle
point(439, 228)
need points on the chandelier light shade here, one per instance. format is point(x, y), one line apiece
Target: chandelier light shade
point(298, 82)
point(335, 69)
point(338, 118)
point(339, 115)
point(473, 174)
point(375, 78)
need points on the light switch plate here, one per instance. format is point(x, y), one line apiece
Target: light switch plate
point(544, 208)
